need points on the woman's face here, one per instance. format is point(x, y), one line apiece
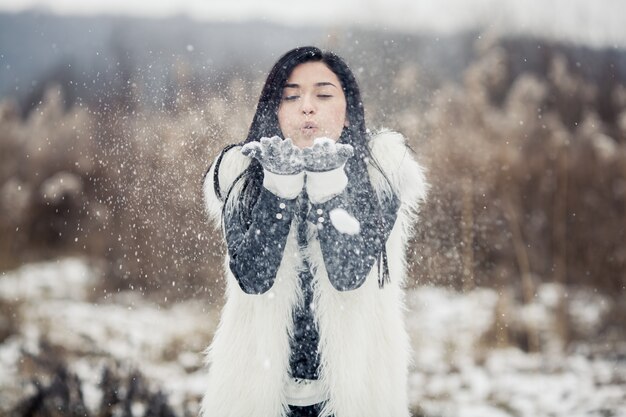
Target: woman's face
point(313, 105)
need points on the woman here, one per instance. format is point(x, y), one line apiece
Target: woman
point(316, 214)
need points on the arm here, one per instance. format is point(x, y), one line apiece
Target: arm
point(407, 180)
point(256, 244)
point(256, 249)
point(349, 258)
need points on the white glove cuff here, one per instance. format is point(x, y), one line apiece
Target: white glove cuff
point(322, 186)
point(283, 186)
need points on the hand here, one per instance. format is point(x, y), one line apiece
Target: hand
point(276, 155)
point(326, 155)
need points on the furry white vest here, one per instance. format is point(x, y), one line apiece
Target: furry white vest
point(249, 354)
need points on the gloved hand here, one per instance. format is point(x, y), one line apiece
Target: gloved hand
point(326, 155)
point(276, 155)
point(324, 164)
point(282, 164)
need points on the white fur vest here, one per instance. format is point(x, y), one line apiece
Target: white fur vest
point(249, 354)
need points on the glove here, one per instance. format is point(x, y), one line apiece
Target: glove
point(326, 155)
point(282, 165)
point(324, 164)
point(276, 155)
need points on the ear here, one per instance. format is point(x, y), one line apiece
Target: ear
point(346, 123)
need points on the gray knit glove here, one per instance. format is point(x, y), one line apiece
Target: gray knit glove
point(326, 155)
point(276, 155)
point(324, 165)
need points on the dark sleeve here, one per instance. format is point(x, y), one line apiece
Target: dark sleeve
point(256, 249)
point(350, 257)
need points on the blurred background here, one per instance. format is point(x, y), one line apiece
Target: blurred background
point(110, 113)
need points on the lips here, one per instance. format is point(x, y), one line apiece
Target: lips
point(308, 128)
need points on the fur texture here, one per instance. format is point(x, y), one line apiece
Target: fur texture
point(249, 355)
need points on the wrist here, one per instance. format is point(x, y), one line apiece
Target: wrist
point(322, 186)
point(286, 186)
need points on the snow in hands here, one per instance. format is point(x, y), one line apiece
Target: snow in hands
point(326, 155)
point(275, 155)
point(283, 157)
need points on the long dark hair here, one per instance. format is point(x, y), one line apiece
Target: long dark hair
point(265, 124)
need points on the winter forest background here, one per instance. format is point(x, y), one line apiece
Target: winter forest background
point(111, 279)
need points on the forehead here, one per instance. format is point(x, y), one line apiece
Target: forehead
point(312, 73)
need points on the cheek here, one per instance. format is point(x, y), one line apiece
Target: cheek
point(283, 119)
point(339, 115)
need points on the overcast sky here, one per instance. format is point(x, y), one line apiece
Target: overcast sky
point(595, 22)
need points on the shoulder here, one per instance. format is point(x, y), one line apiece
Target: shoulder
point(230, 164)
point(386, 138)
point(400, 169)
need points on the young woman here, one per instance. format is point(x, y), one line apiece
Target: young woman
point(316, 213)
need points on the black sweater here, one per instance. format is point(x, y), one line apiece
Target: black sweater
point(256, 250)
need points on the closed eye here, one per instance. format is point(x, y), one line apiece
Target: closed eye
point(324, 95)
point(290, 98)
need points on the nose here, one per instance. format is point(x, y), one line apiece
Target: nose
point(308, 108)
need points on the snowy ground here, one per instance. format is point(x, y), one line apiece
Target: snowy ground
point(456, 372)
point(455, 376)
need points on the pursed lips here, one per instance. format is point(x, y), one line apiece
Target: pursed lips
point(308, 127)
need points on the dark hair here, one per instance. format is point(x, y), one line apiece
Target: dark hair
point(265, 124)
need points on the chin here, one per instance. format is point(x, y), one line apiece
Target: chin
point(303, 142)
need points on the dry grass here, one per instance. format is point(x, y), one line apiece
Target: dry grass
point(528, 174)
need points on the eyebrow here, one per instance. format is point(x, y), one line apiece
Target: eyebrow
point(320, 84)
